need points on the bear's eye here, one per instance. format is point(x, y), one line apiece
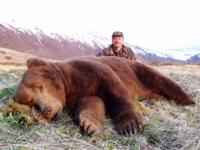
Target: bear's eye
point(31, 101)
point(40, 88)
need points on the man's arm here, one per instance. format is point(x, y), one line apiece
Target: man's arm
point(106, 52)
point(134, 57)
point(131, 54)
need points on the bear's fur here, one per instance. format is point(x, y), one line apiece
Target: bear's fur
point(91, 87)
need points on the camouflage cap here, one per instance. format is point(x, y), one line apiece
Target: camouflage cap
point(117, 34)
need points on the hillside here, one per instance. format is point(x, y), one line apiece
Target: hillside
point(40, 44)
point(61, 46)
point(11, 57)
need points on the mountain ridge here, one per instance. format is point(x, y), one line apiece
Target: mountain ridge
point(57, 46)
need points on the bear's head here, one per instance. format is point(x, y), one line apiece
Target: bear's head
point(42, 86)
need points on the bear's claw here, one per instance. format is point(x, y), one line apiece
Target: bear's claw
point(130, 122)
point(89, 124)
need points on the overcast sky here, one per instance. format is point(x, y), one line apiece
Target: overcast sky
point(148, 23)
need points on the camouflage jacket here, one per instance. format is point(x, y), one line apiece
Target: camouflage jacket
point(124, 52)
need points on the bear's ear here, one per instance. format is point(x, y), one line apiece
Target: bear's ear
point(35, 62)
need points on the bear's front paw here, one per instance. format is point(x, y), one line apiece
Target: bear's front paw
point(89, 124)
point(129, 122)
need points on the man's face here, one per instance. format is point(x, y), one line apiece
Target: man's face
point(117, 41)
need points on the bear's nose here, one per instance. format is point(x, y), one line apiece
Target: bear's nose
point(58, 114)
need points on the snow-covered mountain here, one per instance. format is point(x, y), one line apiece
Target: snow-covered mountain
point(194, 59)
point(168, 55)
point(60, 46)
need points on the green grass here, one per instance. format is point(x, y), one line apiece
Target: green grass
point(152, 137)
point(129, 140)
point(6, 92)
point(191, 117)
point(13, 121)
point(151, 131)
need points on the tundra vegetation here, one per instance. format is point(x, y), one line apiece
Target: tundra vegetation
point(169, 126)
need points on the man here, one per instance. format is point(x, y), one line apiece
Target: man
point(117, 48)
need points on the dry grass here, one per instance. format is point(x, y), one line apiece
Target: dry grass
point(11, 57)
point(170, 126)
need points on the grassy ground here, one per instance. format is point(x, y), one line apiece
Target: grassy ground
point(169, 126)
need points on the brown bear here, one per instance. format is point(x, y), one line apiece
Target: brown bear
point(91, 87)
